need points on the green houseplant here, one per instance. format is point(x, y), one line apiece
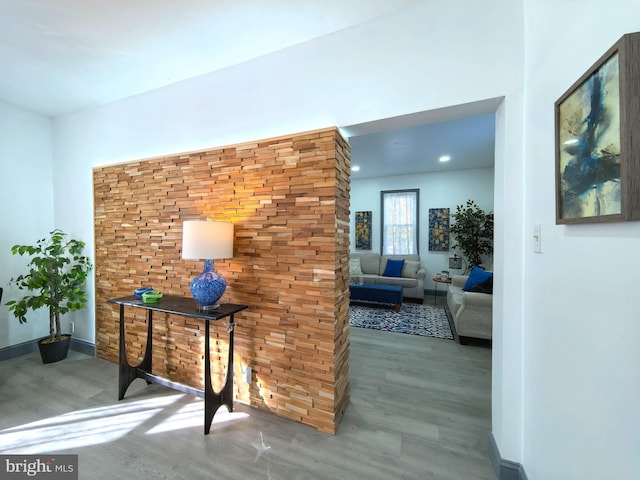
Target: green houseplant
point(56, 278)
point(473, 230)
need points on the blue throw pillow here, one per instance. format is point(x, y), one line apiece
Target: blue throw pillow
point(484, 287)
point(476, 277)
point(393, 268)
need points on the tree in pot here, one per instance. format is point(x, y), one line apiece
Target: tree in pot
point(473, 232)
point(56, 278)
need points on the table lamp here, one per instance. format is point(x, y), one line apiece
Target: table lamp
point(208, 241)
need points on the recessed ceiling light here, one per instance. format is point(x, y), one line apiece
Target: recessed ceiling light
point(445, 158)
point(355, 168)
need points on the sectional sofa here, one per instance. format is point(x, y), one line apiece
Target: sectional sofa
point(372, 267)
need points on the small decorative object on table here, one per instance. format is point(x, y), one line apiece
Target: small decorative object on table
point(151, 296)
point(138, 292)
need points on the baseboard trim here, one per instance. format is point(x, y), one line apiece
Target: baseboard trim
point(13, 351)
point(504, 469)
point(83, 346)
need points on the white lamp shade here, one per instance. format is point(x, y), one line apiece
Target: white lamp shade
point(203, 240)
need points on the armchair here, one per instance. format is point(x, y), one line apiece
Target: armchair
point(472, 312)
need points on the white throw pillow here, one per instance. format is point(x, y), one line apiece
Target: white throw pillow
point(354, 266)
point(410, 269)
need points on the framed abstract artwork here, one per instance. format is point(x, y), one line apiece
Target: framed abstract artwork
point(597, 140)
point(439, 229)
point(363, 230)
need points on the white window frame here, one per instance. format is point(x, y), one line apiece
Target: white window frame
point(400, 231)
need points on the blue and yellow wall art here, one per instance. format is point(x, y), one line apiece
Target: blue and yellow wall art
point(589, 146)
point(363, 230)
point(439, 229)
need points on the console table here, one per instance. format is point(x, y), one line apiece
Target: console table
point(186, 307)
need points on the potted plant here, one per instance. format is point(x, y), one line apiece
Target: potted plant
point(56, 278)
point(473, 230)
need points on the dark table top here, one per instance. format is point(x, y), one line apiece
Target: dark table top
point(179, 305)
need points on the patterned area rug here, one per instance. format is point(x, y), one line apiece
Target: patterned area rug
point(412, 318)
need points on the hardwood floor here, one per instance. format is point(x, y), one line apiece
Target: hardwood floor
point(420, 409)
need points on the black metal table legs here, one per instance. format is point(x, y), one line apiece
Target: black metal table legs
point(212, 400)
point(127, 373)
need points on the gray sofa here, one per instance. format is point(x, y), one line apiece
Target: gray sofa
point(472, 312)
point(413, 273)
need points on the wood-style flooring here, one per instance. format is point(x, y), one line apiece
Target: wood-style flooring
point(420, 409)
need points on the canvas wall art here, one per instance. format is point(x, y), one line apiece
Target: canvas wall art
point(596, 161)
point(589, 137)
point(363, 230)
point(439, 229)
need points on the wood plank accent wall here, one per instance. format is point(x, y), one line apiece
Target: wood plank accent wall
point(289, 200)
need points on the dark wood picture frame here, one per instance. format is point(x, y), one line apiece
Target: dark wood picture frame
point(597, 140)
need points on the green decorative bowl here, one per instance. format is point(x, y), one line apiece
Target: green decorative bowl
point(151, 297)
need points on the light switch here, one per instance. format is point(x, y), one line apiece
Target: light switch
point(537, 238)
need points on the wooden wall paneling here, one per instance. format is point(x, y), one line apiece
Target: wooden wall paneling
point(289, 200)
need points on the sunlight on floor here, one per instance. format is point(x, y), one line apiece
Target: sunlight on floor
point(104, 424)
point(192, 416)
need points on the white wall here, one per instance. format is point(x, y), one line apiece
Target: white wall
point(437, 190)
point(565, 382)
point(582, 325)
point(434, 55)
point(26, 208)
point(391, 66)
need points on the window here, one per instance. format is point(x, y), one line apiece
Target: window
point(400, 222)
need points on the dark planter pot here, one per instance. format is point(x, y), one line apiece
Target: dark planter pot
point(54, 351)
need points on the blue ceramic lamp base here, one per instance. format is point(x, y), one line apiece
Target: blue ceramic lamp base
point(208, 287)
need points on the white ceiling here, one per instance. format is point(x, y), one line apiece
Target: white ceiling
point(62, 56)
point(468, 141)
